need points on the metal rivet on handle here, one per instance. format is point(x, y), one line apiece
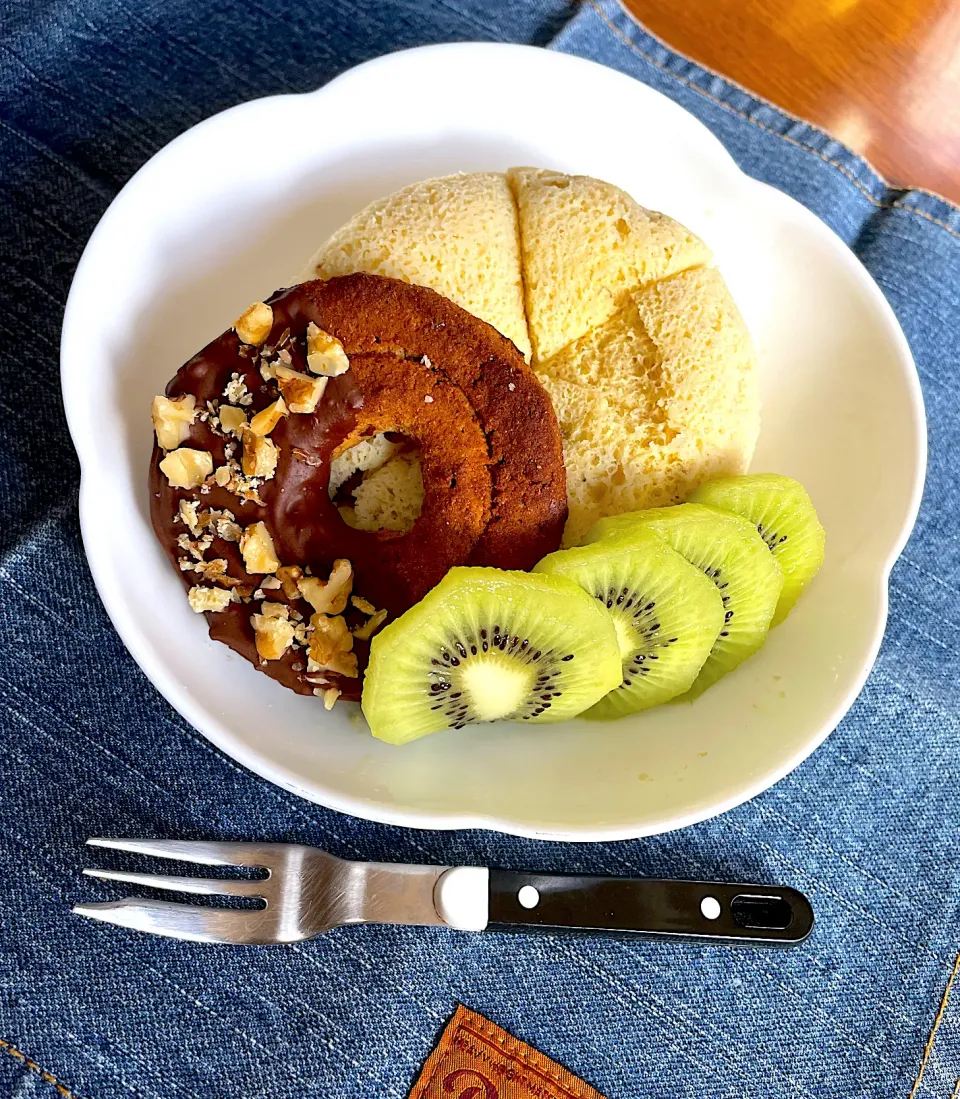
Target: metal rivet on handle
point(528, 896)
point(710, 907)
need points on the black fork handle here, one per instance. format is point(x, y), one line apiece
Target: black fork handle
point(721, 912)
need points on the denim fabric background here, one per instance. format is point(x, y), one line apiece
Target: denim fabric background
point(89, 89)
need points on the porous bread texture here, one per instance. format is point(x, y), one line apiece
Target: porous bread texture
point(390, 495)
point(656, 400)
point(634, 334)
point(366, 455)
point(390, 498)
point(458, 235)
point(584, 244)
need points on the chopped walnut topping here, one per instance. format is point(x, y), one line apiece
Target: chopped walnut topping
point(197, 548)
point(330, 696)
point(259, 454)
point(172, 419)
point(268, 370)
point(275, 610)
point(307, 458)
point(256, 545)
point(236, 390)
point(288, 577)
point(270, 583)
point(231, 477)
point(329, 597)
point(208, 599)
point(362, 604)
point(370, 627)
point(266, 420)
point(325, 354)
point(254, 324)
point(301, 392)
point(228, 530)
point(330, 646)
point(246, 489)
point(186, 468)
point(209, 516)
point(187, 513)
point(273, 635)
point(231, 419)
point(212, 570)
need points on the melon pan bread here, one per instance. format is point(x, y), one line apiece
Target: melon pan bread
point(629, 327)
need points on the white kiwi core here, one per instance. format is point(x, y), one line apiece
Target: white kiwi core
point(496, 686)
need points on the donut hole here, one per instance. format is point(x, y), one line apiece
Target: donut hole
point(377, 484)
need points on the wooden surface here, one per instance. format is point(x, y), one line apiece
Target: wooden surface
point(883, 76)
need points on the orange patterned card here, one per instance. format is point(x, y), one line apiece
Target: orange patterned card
point(475, 1059)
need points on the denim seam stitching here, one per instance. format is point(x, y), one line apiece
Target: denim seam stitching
point(895, 205)
point(941, 1011)
point(15, 1053)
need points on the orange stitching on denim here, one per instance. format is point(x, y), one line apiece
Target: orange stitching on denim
point(33, 1067)
point(464, 1021)
point(922, 213)
point(560, 1078)
point(768, 129)
point(928, 1049)
point(956, 1090)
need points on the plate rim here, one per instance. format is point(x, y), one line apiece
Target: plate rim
point(221, 737)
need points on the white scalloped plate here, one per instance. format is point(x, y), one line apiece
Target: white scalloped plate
point(229, 210)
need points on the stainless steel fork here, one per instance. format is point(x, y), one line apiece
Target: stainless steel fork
point(306, 891)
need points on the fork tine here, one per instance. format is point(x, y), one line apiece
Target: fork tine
point(222, 887)
point(199, 851)
point(184, 921)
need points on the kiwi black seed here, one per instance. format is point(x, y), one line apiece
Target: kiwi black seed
point(786, 520)
point(727, 549)
point(486, 645)
point(666, 612)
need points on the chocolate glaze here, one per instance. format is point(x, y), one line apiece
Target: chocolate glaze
point(384, 390)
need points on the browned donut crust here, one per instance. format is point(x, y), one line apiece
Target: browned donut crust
point(410, 387)
point(367, 312)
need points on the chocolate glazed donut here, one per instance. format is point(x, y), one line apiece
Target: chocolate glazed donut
point(490, 451)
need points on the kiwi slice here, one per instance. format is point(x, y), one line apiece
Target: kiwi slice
point(667, 615)
point(730, 551)
point(784, 515)
point(486, 645)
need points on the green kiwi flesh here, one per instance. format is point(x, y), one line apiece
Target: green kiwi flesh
point(667, 615)
point(784, 515)
point(728, 549)
point(486, 645)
